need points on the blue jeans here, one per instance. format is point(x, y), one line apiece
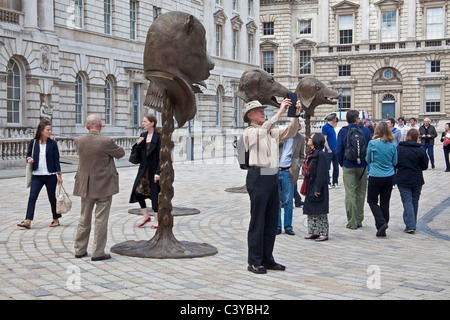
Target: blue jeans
point(37, 182)
point(429, 149)
point(332, 158)
point(410, 199)
point(286, 195)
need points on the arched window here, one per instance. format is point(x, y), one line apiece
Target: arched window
point(108, 102)
point(13, 95)
point(388, 98)
point(79, 96)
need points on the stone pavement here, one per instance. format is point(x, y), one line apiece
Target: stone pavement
point(354, 264)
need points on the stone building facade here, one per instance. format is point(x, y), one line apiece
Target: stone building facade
point(64, 59)
point(387, 57)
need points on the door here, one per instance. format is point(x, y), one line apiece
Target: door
point(388, 110)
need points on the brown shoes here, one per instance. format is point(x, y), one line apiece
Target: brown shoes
point(25, 224)
point(106, 256)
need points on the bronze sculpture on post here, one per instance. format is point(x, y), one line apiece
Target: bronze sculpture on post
point(175, 59)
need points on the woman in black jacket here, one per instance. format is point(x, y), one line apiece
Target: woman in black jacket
point(445, 139)
point(315, 171)
point(146, 184)
point(46, 171)
point(412, 160)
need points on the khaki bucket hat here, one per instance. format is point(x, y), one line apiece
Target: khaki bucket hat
point(250, 106)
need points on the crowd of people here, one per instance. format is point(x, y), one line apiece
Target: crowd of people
point(374, 157)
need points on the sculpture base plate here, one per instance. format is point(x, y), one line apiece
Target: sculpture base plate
point(176, 211)
point(152, 249)
point(242, 189)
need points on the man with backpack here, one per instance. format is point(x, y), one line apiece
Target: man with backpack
point(351, 149)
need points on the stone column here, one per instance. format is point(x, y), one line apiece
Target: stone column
point(365, 21)
point(323, 22)
point(46, 15)
point(29, 8)
point(411, 19)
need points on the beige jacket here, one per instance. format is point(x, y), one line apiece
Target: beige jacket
point(96, 175)
point(262, 142)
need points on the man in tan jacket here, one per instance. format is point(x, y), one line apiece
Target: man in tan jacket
point(96, 181)
point(261, 140)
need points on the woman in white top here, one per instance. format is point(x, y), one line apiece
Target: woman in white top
point(46, 171)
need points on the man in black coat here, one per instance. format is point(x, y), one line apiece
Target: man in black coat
point(427, 135)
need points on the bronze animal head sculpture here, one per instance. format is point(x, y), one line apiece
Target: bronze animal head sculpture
point(257, 84)
point(176, 61)
point(311, 92)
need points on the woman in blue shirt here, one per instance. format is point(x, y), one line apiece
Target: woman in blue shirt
point(382, 157)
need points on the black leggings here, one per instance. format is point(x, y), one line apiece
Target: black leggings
point(141, 199)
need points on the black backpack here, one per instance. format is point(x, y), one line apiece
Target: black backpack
point(356, 147)
point(242, 155)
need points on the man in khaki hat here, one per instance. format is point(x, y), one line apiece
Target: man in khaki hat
point(261, 140)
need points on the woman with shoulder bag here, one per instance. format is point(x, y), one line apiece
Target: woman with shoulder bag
point(315, 190)
point(46, 171)
point(146, 184)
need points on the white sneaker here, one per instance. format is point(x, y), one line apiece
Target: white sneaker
point(336, 185)
point(329, 186)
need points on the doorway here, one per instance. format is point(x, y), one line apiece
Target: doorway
point(388, 107)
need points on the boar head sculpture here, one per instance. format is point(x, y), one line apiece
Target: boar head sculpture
point(175, 62)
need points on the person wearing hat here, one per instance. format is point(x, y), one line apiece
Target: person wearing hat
point(261, 140)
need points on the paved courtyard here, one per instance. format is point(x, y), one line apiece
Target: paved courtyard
point(39, 263)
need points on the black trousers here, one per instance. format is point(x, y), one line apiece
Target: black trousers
point(262, 188)
point(380, 188)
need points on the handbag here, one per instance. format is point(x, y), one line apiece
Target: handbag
point(29, 168)
point(135, 155)
point(63, 202)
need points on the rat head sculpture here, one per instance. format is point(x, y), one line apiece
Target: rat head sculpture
point(176, 61)
point(257, 84)
point(311, 92)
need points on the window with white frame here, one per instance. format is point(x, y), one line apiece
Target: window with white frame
point(156, 12)
point(13, 92)
point(107, 16)
point(235, 5)
point(345, 101)
point(133, 8)
point(344, 70)
point(268, 61)
point(268, 28)
point(79, 14)
point(108, 102)
point(218, 107)
point(435, 23)
point(389, 26)
point(250, 7)
point(235, 44)
point(135, 104)
point(432, 98)
point(433, 66)
point(304, 27)
point(304, 61)
point(218, 40)
point(79, 99)
point(250, 47)
point(345, 29)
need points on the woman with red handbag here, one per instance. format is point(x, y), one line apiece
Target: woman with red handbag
point(445, 139)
